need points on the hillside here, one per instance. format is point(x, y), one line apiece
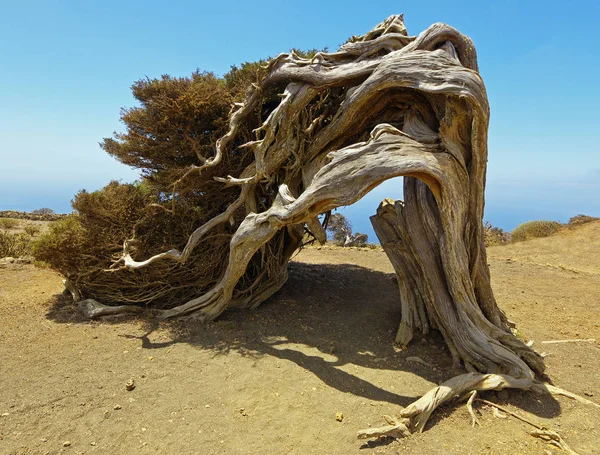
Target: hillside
point(272, 380)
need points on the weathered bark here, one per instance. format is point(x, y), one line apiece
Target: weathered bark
point(439, 288)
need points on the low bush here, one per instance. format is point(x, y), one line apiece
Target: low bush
point(32, 229)
point(43, 211)
point(14, 245)
point(581, 219)
point(494, 236)
point(8, 223)
point(535, 229)
point(61, 246)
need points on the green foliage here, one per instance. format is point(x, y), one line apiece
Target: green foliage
point(8, 223)
point(95, 233)
point(580, 219)
point(535, 229)
point(62, 246)
point(14, 245)
point(176, 125)
point(494, 236)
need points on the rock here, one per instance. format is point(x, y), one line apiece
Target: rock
point(66, 443)
point(339, 416)
point(130, 385)
point(117, 407)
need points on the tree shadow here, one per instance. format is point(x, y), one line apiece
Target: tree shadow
point(325, 317)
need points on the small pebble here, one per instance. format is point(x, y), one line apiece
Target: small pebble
point(117, 407)
point(339, 416)
point(66, 443)
point(130, 385)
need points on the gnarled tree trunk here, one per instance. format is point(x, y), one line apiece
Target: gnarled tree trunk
point(382, 106)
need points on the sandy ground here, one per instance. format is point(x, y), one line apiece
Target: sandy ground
point(271, 381)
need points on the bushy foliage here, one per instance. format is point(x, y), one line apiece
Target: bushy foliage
point(494, 236)
point(14, 245)
point(43, 211)
point(8, 223)
point(84, 246)
point(339, 227)
point(178, 120)
point(172, 131)
point(535, 229)
point(359, 239)
point(32, 229)
point(580, 219)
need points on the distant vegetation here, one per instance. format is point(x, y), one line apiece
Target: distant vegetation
point(535, 229)
point(66, 235)
point(43, 211)
point(340, 229)
point(494, 235)
point(8, 223)
point(581, 219)
point(14, 245)
point(35, 215)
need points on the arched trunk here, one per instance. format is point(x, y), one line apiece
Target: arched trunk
point(384, 106)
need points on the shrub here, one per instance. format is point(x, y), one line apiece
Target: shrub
point(359, 239)
point(32, 229)
point(494, 236)
point(61, 246)
point(581, 219)
point(14, 245)
point(83, 246)
point(535, 229)
point(43, 211)
point(8, 223)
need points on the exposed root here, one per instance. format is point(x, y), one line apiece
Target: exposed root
point(543, 387)
point(414, 417)
point(474, 420)
point(542, 432)
point(419, 411)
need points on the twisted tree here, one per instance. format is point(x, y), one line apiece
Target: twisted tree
point(313, 133)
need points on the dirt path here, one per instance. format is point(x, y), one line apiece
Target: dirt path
point(271, 381)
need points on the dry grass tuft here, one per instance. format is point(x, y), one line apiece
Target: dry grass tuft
point(8, 223)
point(14, 245)
point(535, 229)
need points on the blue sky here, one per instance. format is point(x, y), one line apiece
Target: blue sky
point(66, 69)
